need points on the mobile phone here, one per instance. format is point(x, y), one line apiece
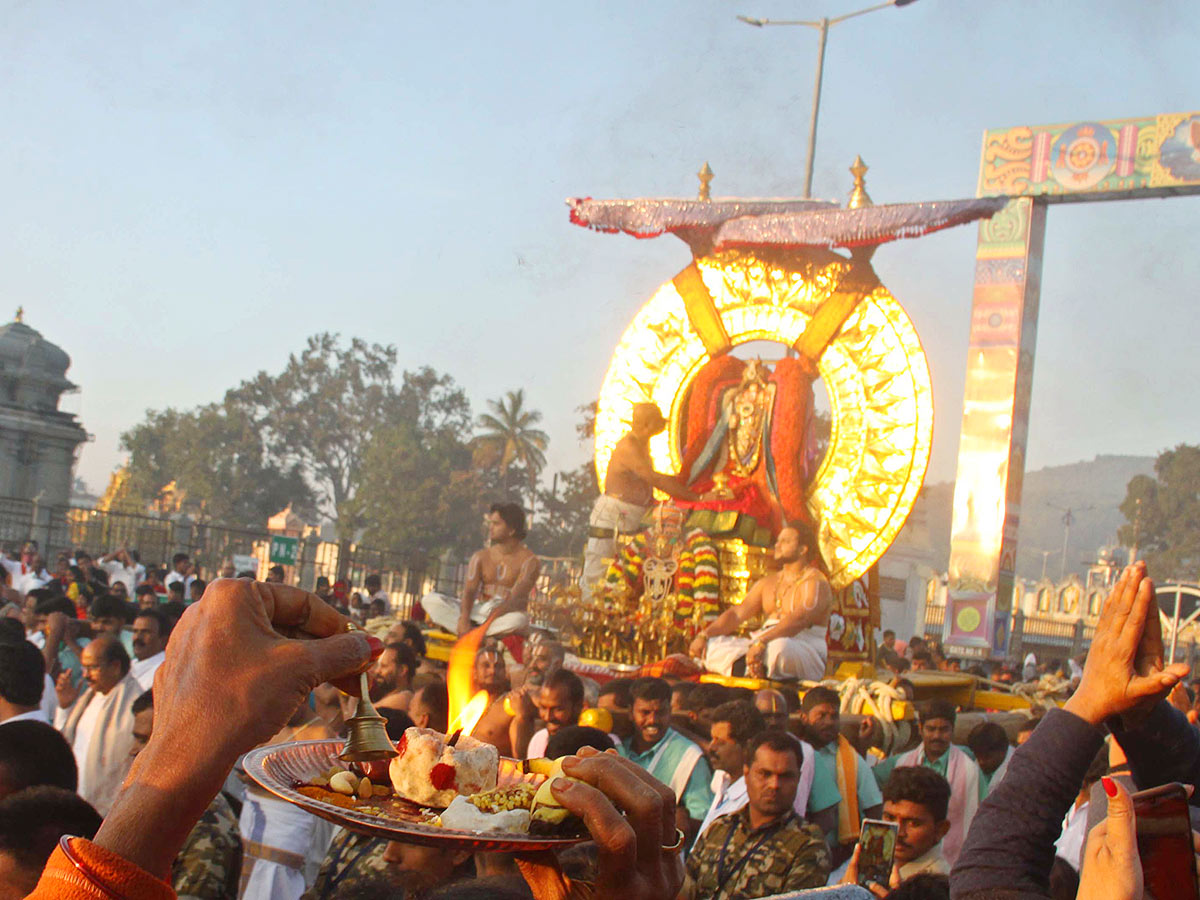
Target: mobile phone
point(1164, 837)
point(878, 842)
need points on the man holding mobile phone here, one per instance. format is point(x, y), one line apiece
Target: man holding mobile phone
point(916, 800)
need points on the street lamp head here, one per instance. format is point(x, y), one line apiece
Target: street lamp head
point(903, 2)
point(759, 23)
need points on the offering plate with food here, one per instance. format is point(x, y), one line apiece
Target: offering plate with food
point(436, 790)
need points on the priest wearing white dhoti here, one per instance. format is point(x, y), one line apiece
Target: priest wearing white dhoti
point(629, 484)
point(500, 579)
point(98, 723)
point(794, 603)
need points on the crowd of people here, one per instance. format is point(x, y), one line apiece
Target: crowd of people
point(128, 696)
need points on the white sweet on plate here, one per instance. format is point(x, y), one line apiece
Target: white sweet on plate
point(463, 815)
point(430, 772)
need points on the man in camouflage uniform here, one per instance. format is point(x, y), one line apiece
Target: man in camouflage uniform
point(355, 861)
point(764, 848)
point(210, 862)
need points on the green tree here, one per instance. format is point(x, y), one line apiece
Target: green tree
point(566, 508)
point(418, 491)
point(509, 435)
point(319, 415)
point(1163, 514)
point(214, 454)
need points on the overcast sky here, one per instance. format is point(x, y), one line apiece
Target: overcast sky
point(190, 189)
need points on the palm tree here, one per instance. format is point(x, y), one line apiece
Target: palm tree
point(508, 429)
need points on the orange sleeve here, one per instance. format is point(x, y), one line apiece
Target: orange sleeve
point(96, 874)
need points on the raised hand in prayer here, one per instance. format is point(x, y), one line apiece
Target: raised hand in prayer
point(1124, 672)
point(639, 855)
point(1111, 867)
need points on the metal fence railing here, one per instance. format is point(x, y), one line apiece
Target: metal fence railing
point(210, 545)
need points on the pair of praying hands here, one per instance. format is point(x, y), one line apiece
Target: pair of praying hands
point(1125, 674)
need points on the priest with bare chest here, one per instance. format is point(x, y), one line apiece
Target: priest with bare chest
point(794, 603)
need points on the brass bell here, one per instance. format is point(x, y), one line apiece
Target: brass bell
point(366, 736)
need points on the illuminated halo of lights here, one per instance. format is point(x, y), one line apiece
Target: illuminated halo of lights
point(874, 370)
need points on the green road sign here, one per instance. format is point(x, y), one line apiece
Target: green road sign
point(284, 550)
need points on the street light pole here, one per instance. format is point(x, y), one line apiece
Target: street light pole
point(822, 26)
point(812, 127)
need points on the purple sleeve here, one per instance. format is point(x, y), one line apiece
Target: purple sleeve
point(1010, 846)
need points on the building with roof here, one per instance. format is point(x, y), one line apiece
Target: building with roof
point(38, 441)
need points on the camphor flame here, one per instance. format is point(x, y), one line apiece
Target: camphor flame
point(465, 710)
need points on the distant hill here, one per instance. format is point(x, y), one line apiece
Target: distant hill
point(1099, 484)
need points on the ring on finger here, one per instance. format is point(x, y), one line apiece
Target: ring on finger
point(678, 845)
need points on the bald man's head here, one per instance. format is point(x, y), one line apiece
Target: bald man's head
point(105, 663)
point(773, 706)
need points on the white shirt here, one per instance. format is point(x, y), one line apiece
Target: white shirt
point(30, 581)
point(1069, 845)
point(730, 796)
point(83, 737)
point(175, 576)
point(49, 699)
point(34, 715)
point(143, 670)
point(131, 577)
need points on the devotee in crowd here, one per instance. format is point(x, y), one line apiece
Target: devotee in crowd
point(667, 755)
point(500, 579)
point(698, 707)
point(177, 592)
point(989, 743)
point(430, 707)
point(145, 597)
point(32, 822)
point(844, 792)
point(886, 655)
point(181, 570)
point(34, 753)
point(149, 637)
point(559, 703)
point(616, 697)
point(629, 484)
point(28, 572)
point(98, 721)
point(22, 682)
point(391, 677)
point(123, 567)
point(196, 590)
point(489, 674)
point(210, 862)
point(915, 799)
point(282, 845)
point(764, 848)
point(734, 724)
point(774, 709)
point(794, 603)
point(355, 863)
point(936, 751)
point(110, 615)
point(276, 574)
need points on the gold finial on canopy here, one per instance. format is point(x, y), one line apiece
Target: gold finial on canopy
point(706, 176)
point(859, 196)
